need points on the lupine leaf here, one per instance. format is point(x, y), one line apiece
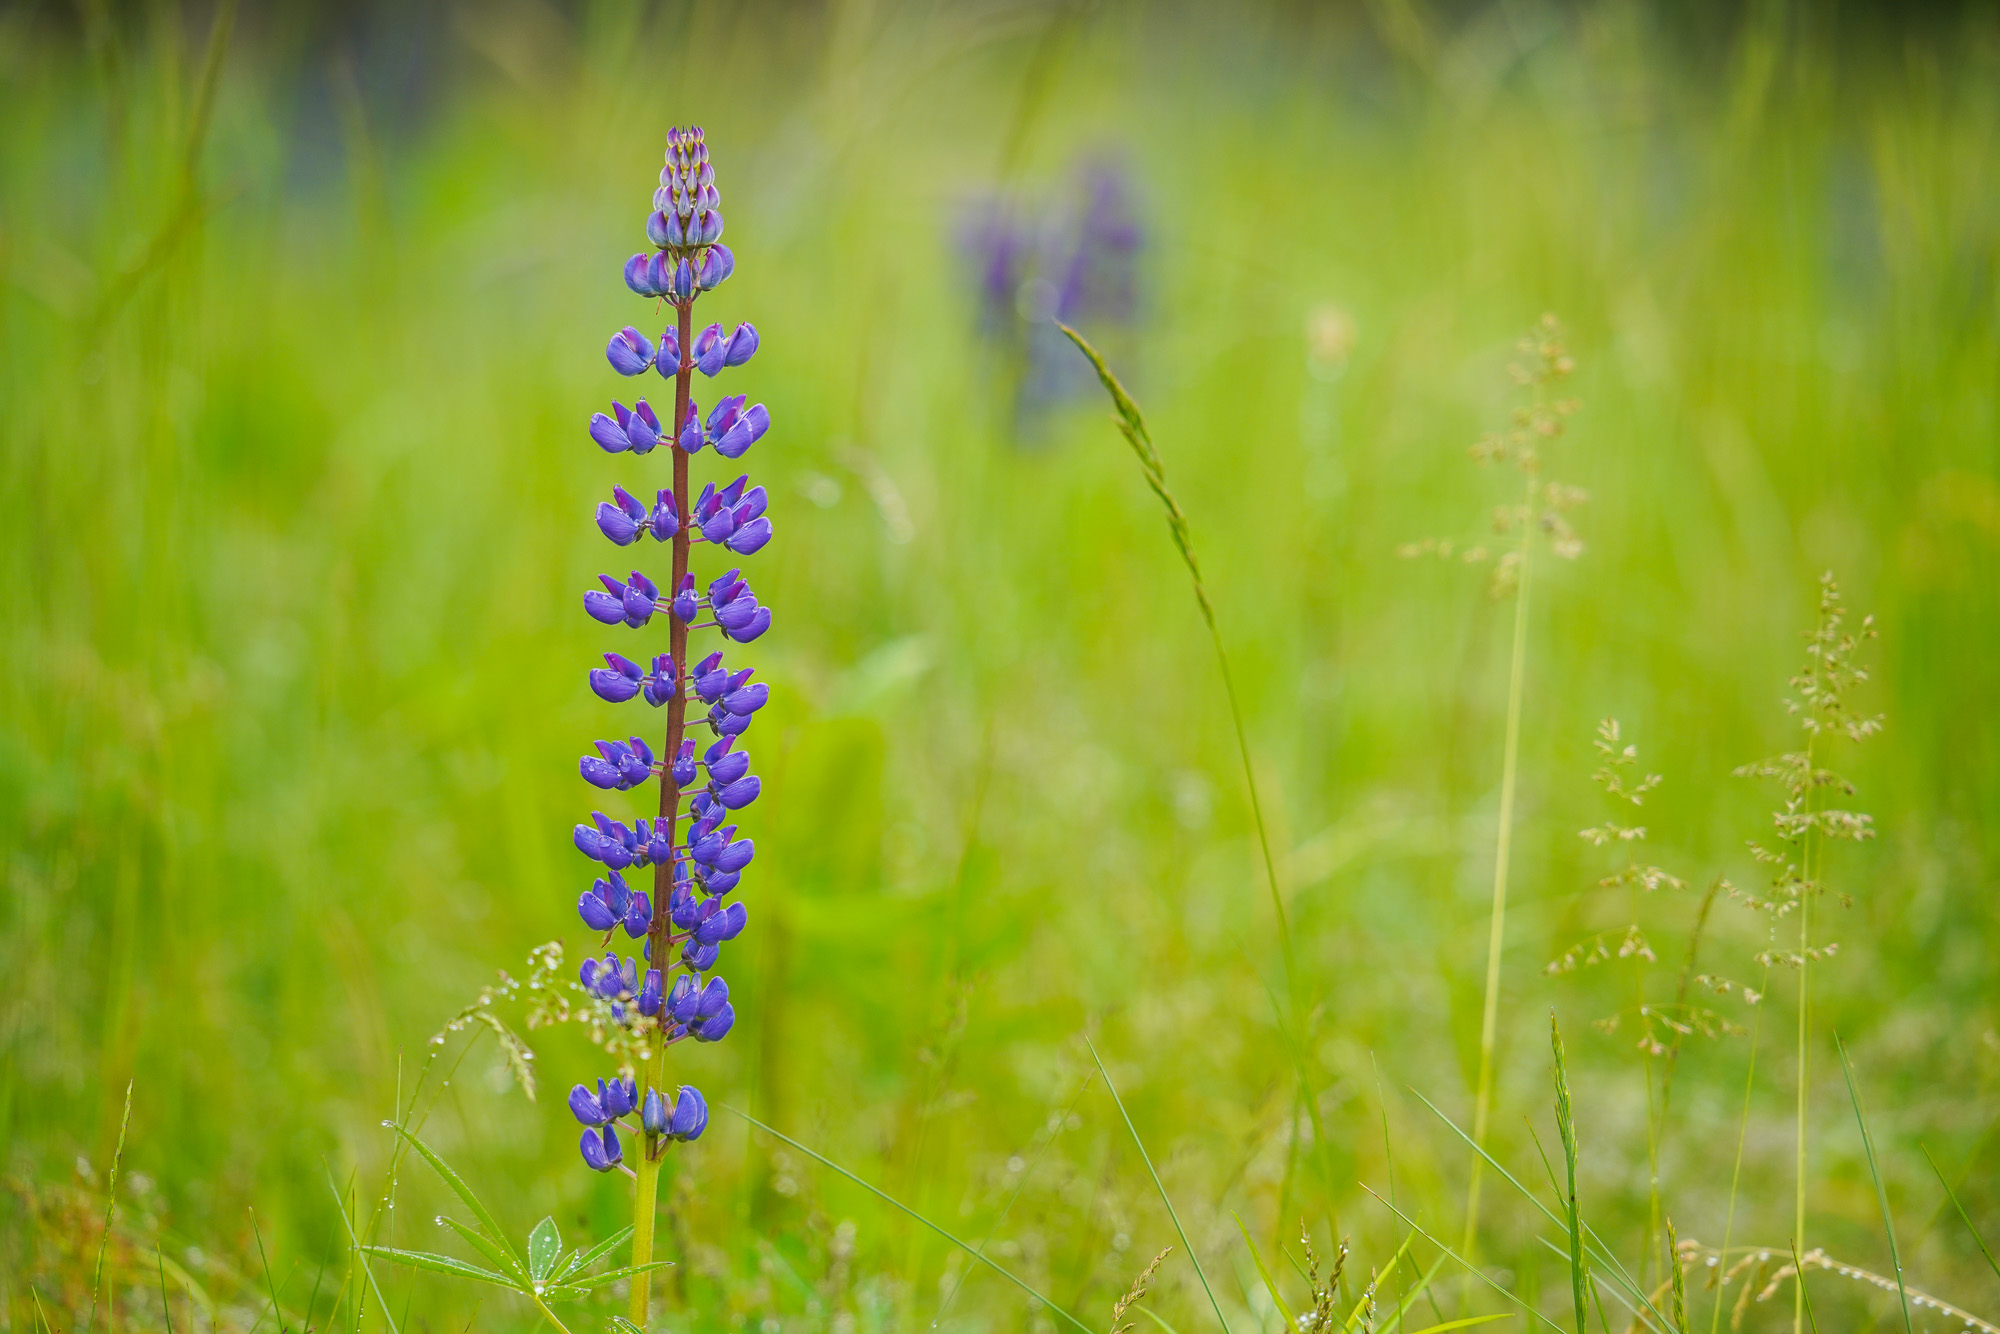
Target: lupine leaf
point(487, 1222)
point(588, 1282)
point(441, 1264)
point(604, 1248)
point(544, 1249)
point(494, 1253)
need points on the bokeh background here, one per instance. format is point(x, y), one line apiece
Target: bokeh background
point(301, 331)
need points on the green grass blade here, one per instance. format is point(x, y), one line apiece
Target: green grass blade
point(1467, 1265)
point(1270, 1283)
point(1881, 1191)
point(1409, 1299)
point(360, 1255)
point(166, 1307)
point(1154, 1316)
point(110, 1206)
point(1158, 1185)
point(487, 1222)
point(1805, 1297)
point(1133, 427)
point(1607, 1262)
point(1465, 1322)
point(442, 1264)
point(889, 1199)
point(1963, 1216)
point(1566, 1128)
point(277, 1316)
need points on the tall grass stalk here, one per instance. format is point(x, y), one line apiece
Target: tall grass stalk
point(1489, 1015)
point(1736, 1170)
point(1579, 1275)
point(1132, 426)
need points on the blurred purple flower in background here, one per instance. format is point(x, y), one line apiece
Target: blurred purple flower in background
point(1074, 259)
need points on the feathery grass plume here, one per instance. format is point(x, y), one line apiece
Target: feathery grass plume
point(1804, 823)
point(1536, 519)
point(110, 1206)
point(1325, 1295)
point(1661, 1024)
point(1679, 1271)
point(1132, 426)
point(1140, 1286)
point(1763, 1279)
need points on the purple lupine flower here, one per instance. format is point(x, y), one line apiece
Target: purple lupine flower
point(690, 1114)
point(697, 864)
point(629, 352)
point(618, 681)
point(601, 1150)
point(1073, 259)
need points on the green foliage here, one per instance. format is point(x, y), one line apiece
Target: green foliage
point(296, 343)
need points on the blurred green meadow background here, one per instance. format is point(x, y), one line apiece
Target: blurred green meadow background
point(299, 332)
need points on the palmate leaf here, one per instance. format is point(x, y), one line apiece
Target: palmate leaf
point(442, 1264)
point(573, 1289)
point(487, 1223)
point(544, 1249)
point(495, 1254)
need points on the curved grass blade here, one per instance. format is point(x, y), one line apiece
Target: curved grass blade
point(442, 1264)
point(1465, 1322)
point(1633, 1295)
point(1155, 1317)
point(1963, 1216)
point(1270, 1283)
point(1132, 425)
point(887, 1198)
point(1799, 1277)
point(359, 1254)
point(1469, 1268)
point(1159, 1185)
point(487, 1223)
point(1881, 1193)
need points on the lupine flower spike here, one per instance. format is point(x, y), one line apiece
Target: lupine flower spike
point(668, 993)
